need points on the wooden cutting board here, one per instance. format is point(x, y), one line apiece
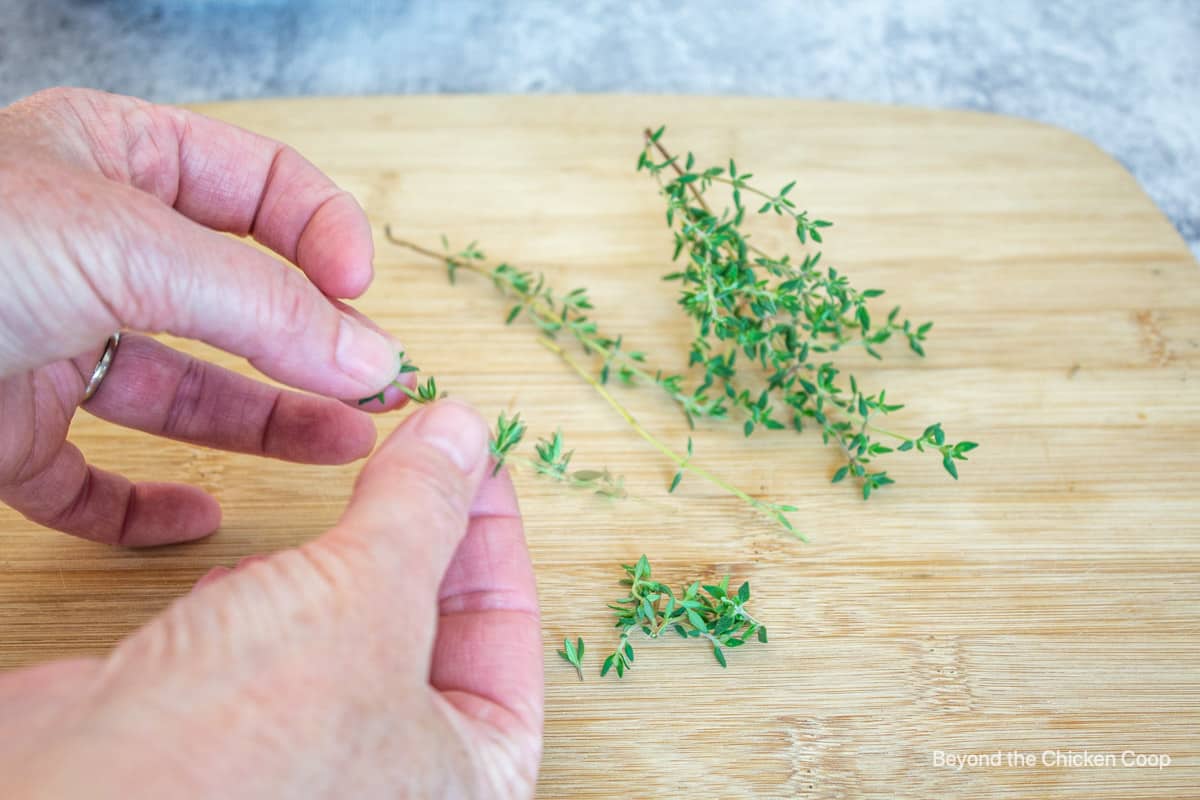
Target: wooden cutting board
point(1047, 601)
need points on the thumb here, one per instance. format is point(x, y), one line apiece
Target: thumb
point(410, 506)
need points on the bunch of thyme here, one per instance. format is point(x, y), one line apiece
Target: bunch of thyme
point(711, 613)
point(783, 318)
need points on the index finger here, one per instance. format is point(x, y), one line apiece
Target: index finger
point(233, 180)
point(219, 175)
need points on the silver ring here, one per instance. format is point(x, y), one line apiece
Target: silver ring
point(106, 359)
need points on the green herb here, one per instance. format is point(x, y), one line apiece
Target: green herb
point(783, 317)
point(509, 433)
point(767, 327)
point(426, 393)
point(711, 613)
point(551, 460)
point(572, 653)
point(553, 315)
point(775, 511)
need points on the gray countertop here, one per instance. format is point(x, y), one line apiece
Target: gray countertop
point(1124, 74)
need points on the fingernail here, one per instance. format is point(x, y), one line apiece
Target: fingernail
point(365, 355)
point(456, 430)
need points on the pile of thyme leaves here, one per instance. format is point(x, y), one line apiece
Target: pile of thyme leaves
point(711, 613)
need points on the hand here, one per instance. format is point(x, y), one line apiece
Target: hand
point(396, 656)
point(109, 212)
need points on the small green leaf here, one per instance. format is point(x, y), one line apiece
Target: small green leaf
point(948, 463)
point(675, 481)
point(608, 662)
point(719, 655)
point(648, 609)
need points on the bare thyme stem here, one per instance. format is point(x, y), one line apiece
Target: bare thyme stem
point(436, 256)
point(679, 460)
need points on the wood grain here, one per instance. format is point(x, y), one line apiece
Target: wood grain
point(1047, 601)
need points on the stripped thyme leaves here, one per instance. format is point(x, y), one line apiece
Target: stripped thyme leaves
point(709, 612)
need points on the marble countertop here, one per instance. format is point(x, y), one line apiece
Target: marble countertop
point(1126, 75)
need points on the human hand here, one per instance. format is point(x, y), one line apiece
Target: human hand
point(109, 212)
point(396, 656)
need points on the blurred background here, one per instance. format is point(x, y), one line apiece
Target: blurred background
point(1124, 74)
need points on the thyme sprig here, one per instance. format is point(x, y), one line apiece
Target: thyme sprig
point(550, 459)
point(710, 612)
point(552, 315)
point(424, 393)
point(783, 317)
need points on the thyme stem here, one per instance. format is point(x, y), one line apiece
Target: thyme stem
point(680, 461)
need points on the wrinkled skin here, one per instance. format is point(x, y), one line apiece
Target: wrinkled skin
point(397, 655)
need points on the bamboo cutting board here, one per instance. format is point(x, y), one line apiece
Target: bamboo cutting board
point(1048, 601)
